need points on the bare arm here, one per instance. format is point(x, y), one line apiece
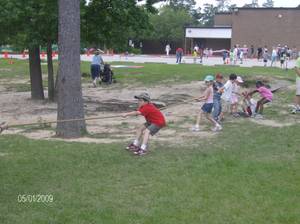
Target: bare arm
point(133, 113)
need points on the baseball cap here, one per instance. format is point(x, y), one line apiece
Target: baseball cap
point(143, 96)
point(239, 79)
point(209, 78)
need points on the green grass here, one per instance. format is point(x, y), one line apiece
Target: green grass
point(246, 174)
point(249, 174)
point(153, 74)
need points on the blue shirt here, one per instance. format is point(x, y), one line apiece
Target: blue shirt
point(217, 86)
point(97, 60)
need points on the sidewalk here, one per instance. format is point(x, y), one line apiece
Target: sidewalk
point(211, 61)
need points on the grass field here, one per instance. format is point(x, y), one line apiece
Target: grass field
point(249, 173)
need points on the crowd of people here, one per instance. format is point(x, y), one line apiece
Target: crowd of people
point(238, 54)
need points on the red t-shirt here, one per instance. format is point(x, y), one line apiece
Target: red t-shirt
point(152, 115)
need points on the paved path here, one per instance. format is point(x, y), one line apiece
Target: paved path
point(168, 60)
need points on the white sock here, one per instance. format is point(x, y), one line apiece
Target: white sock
point(136, 142)
point(143, 147)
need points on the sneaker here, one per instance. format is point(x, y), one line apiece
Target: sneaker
point(217, 128)
point(195, 128)
point(140, 152)
point(258, 116)
point(132, 147)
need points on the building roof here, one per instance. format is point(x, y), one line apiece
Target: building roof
point(257, 9)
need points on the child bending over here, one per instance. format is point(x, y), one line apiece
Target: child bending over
point(266, 97)
point(154, 122)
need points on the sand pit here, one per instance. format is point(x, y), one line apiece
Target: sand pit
point(17, 108)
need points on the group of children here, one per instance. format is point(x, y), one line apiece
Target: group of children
point(218, 99)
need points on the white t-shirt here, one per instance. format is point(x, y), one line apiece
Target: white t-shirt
point(228, 88)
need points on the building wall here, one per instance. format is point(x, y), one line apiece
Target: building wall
point(224, 19)
point(262, 27)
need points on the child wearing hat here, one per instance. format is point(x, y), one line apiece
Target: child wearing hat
point(207, 107)
point(235, 96)
point(154, 122)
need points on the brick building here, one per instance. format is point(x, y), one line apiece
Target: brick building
point(248, 26)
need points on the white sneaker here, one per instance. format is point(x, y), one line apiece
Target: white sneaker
point(217, 128)
point(195, 128)
point(258, 116)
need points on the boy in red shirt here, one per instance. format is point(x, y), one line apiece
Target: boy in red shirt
point(154, 122)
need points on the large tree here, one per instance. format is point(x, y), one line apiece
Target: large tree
point(70, 102)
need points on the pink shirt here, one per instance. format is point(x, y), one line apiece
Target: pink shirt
point(210, 98)
point(265, 93)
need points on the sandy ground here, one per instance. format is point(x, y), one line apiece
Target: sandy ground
point(17, 108)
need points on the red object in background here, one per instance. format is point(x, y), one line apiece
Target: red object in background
point(53, 54)
point(43, 54)
point(5, 54)
point(87, 53)
point(24, 54)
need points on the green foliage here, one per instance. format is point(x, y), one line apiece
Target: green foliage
point(28, 23)
point(169, 24)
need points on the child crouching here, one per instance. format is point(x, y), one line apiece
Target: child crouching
point(207, 107)
point(154, 122)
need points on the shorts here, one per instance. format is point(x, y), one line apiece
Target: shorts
point(298, 87)
point(226, 106)
point(234, 99)
point(95, 71)
point(152, 128)
point(207, 107)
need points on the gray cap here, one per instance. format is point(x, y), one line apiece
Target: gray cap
point(144, 96)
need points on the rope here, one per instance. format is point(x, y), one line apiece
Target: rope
point(4, 126)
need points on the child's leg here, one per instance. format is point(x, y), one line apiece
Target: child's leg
point(139, 133)
point(260, 105)
point(145, 139)
point(199, 118)
point(209, 117)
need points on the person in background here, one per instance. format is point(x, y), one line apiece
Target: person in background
point(273, 57)
point(167, 49)
point(179, 53)
point(96, 64)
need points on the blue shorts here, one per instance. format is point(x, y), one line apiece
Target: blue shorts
point(95, 71)
point(207, 107)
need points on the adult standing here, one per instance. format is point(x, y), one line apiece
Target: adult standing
point(167, 49)
point(96, 64)
point(179, 53)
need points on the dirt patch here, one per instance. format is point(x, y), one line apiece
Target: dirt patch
point(16, 108)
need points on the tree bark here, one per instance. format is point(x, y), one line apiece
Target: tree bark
point(36, 81)
point(70, 102)
point(51, 90)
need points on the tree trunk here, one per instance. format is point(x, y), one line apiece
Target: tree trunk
point(70, 102)
point(36, 81)
point(51, 90)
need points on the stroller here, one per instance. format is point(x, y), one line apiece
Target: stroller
point(106, 75)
